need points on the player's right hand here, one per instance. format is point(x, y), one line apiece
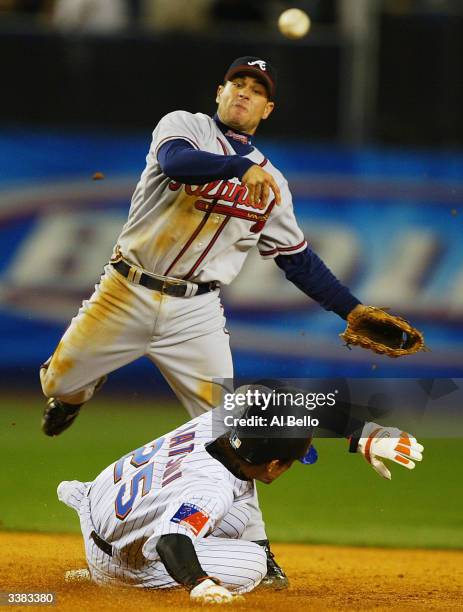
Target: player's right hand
point(259, 183)
point(388, 443)
point(208, 592)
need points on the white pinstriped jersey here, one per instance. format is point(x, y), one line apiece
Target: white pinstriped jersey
point(203, 233)
point(170, 485)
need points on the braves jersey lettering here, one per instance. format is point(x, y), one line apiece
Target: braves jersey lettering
point(226, 191)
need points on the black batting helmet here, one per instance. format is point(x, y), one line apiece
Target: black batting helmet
point(272, 426)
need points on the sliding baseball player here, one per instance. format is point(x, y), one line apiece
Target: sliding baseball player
point(174, 511)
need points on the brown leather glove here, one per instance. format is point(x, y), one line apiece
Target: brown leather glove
point(375, 329)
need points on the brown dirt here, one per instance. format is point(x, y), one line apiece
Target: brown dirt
point(322, 578)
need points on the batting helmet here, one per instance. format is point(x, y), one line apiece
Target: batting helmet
point(272, 425)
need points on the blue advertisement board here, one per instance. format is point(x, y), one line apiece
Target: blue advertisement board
point(388, 223)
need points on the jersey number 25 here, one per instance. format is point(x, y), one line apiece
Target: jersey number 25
point(138, 458)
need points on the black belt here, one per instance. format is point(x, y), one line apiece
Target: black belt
point(102, 544)
point(169, 287)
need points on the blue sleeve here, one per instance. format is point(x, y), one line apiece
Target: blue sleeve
point(181, 162)
point(308, 272)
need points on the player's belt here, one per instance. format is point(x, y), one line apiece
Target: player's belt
point(173, 287)
point(102, 544)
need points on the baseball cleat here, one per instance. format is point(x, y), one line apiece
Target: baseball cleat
point(275, 578)
point(58, 416)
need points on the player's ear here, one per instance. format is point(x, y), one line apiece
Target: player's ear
point(220, 89)
point(268, 109)
point(273, 466)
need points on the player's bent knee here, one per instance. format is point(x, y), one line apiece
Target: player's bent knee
point(243, 563)
point(53, 385)
point(251, 571)
point(261, 564)
point(48, 384)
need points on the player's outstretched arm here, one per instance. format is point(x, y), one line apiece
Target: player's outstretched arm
point(311, 275)
point(182, 564)
point(368, 327)
point(377, 442)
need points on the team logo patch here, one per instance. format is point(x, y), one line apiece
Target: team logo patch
point(235, 441)
point(190, 516)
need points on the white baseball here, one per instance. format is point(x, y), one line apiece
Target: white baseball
point(294, 23)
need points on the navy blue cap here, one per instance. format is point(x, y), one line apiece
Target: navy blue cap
point(256, 67)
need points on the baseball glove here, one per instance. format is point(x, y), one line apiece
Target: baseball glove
point(375, 329)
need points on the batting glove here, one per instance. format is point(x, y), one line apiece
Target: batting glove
point(388, 443)
point(208, 592)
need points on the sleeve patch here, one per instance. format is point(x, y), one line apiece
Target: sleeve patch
point(191, 517)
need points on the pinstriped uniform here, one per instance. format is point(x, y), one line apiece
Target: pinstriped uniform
point(189, 492)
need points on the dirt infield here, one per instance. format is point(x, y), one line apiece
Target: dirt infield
point(322, 578)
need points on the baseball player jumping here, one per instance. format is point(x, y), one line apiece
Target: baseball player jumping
point(173, 512)
point(206, 197)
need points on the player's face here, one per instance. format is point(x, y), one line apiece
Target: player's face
point(243, 103)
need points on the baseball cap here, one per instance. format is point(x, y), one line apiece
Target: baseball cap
point(256, 67)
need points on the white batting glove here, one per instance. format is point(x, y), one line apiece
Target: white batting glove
point(208, 592)
point(388, 443)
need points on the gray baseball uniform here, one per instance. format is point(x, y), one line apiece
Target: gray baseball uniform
point(196, 233)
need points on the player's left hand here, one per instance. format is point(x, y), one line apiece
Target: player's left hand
point(388, 443)
point(209, 592)
point(386, 334)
